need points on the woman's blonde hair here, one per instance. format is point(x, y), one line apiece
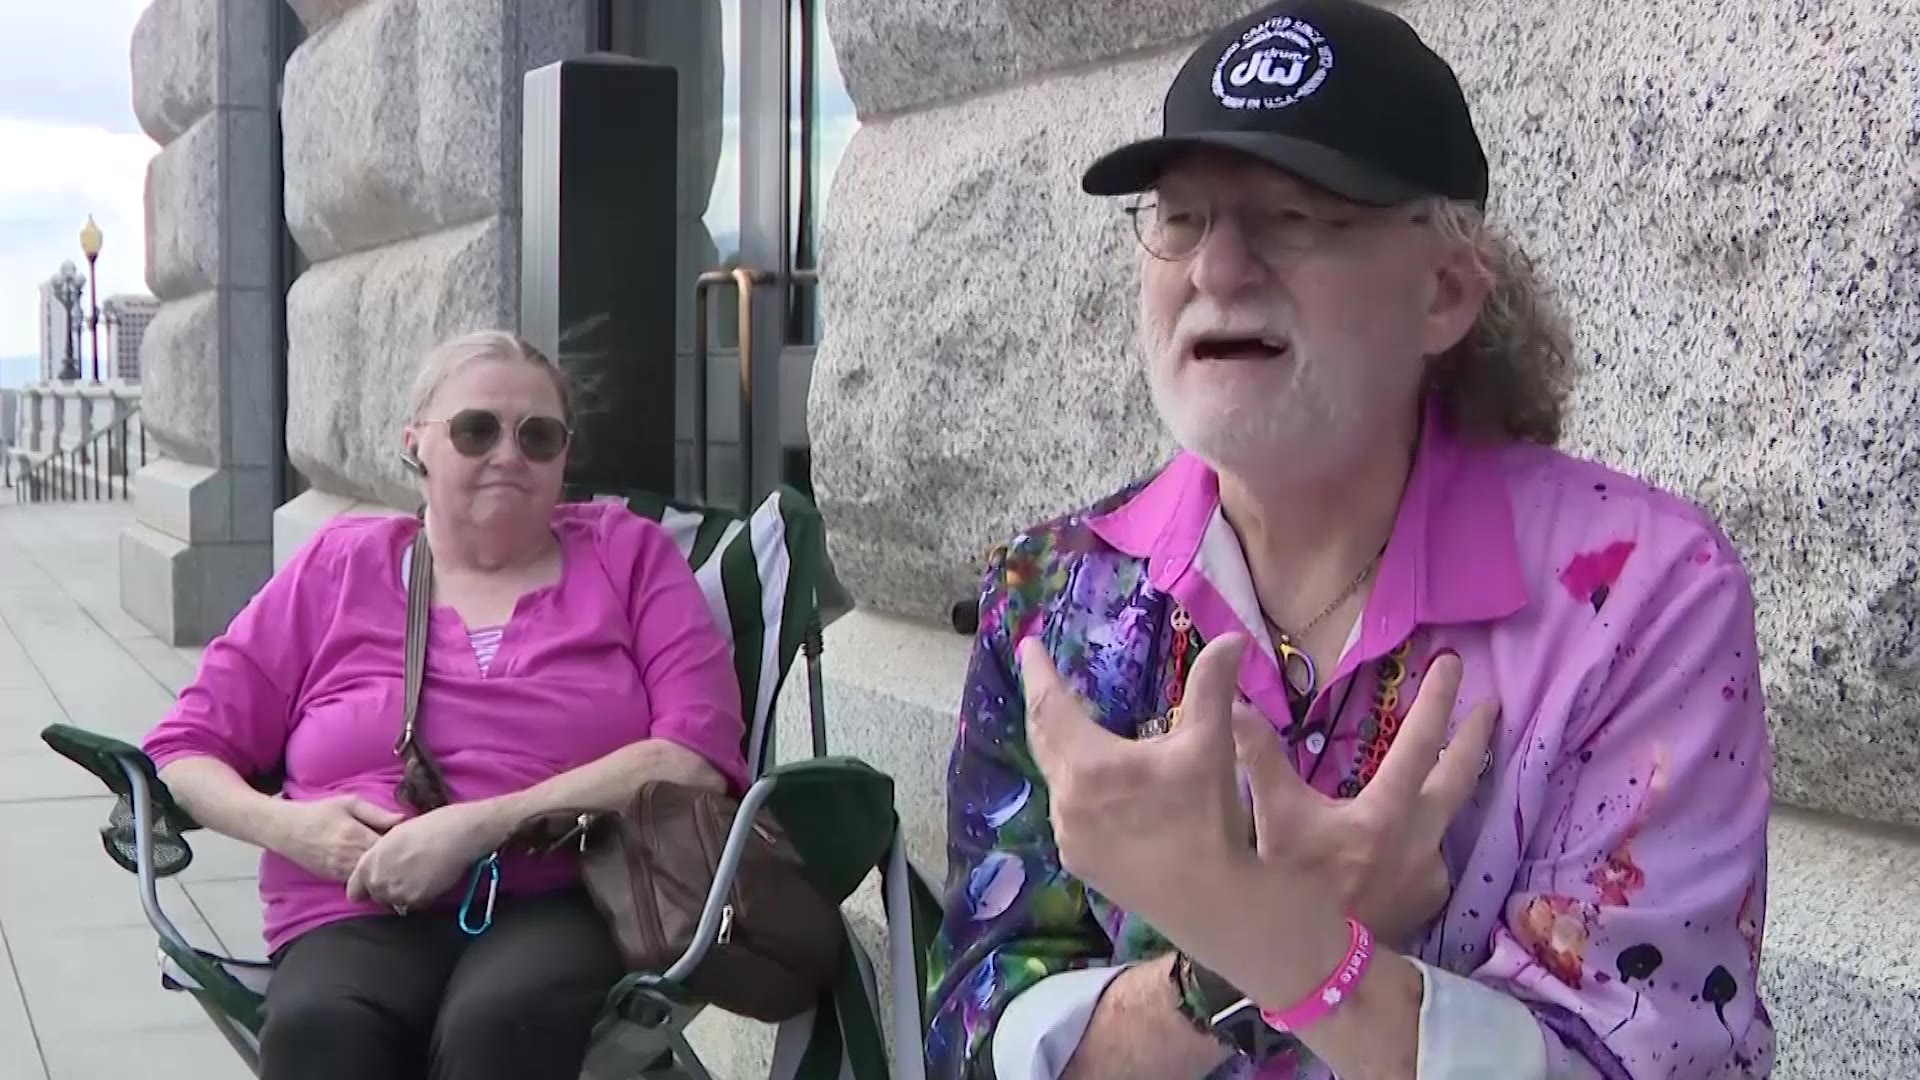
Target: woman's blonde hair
point(1510, 377)
point(450, 356)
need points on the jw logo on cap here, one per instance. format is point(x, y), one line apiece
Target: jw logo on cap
point(1273, 65)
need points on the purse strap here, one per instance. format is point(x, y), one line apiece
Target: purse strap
point(419, 608)
point(422, 785)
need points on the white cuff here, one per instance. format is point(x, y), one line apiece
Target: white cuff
point(1468, 1029)
point(1042, 1026)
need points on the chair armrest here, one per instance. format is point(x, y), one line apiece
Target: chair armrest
point(108, 759)
point(839, 814)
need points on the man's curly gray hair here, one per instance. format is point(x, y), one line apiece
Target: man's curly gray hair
point(1510, 377)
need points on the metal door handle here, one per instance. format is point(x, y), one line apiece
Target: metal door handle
point(744, 280)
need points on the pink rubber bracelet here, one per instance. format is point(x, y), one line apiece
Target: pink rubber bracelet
point(1331, 993)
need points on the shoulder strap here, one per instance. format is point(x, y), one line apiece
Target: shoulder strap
point(419, 607)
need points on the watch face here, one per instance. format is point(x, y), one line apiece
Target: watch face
point(1240, 1024)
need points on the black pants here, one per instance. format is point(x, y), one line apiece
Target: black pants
point(407, 998)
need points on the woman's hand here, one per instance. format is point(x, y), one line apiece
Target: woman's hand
point(419, 860)
point(329, 836)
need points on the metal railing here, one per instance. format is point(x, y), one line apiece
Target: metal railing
point(87, 471)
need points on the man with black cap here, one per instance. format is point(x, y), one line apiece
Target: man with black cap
point(1372, 736)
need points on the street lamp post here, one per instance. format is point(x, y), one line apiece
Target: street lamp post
point(90, 241)
point(67, 286)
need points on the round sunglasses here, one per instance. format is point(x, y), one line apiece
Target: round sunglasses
point(475, 432)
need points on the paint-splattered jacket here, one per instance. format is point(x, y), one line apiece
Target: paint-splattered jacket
point(1609, 874)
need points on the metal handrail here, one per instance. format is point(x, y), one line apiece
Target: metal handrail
point(80, 473)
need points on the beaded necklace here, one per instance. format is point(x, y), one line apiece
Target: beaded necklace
point(1377, 729)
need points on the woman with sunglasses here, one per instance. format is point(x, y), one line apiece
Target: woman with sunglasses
point(570, 656)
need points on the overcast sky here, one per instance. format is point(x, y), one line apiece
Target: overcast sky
point(71, 147)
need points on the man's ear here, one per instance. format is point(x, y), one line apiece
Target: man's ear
point(1462, 285)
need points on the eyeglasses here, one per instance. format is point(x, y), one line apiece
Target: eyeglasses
point(1173, 228)
point(475, 432)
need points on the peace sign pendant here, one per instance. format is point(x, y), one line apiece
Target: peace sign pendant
point(1296, 667)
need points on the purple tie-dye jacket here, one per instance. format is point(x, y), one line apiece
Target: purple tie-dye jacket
point(1610, 871)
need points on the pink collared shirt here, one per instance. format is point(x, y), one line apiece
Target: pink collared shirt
point(1610, 871)
point(307, 679)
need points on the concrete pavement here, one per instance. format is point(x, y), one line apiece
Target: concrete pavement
point(80, 995)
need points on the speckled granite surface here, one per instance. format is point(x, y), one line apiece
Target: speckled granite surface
point(1727, 193)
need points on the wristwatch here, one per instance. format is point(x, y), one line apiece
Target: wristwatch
point(1215, 1008)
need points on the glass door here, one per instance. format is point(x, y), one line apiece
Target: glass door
point(763, 118)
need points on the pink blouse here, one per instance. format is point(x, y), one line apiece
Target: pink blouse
point(308, 679)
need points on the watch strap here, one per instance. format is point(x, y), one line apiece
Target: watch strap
point(1217, 1009)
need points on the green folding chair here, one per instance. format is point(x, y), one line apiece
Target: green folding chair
point(760, 573)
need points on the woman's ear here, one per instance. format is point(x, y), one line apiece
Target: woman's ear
point(410, 453)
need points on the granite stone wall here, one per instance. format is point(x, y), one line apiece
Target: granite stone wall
point(175, 55)
point(202, 76)
point(401, 127)
point(1726, 193)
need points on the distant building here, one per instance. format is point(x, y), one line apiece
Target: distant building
point(55, 334)
point(126, 316)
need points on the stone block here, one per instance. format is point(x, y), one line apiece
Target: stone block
point(350, 120)
point(1740, 253)
point(1841, 967)
point(295, 522)
point(199, 504)
point(357, 330)
point(173, 57)
point(995, 384)
point(183, 212)
point(186, 594)
point(314, 14)
point(180, 364)
point(899, 54)
point(404, 117)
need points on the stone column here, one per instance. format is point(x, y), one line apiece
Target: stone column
point(402, 152)
point(35, 423)
point(203, 84)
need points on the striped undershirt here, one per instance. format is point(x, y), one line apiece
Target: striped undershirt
point(485, 644)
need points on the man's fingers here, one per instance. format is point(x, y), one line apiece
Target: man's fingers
point(1206, 709)
point(1277, 790)
point(1059, 726)
point(1411, 757)
point(1454, 777)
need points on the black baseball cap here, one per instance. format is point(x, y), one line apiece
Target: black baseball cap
point(1340, 93)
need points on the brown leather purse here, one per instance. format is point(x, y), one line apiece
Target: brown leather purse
point(649, 868)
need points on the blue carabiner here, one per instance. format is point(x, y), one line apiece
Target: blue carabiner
point(491, 867)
